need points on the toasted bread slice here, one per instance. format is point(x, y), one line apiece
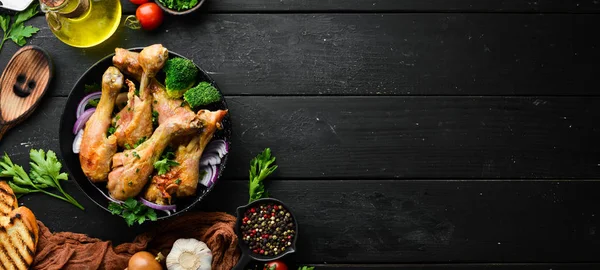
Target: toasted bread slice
point(18, 232)
point(8, 200)
point(18, 240)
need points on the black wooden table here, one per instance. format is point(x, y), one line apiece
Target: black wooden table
point(413, 134)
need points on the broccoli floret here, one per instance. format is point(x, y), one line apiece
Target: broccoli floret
point(203, 94)
point(180, 76)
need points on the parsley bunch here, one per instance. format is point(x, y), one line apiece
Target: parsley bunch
point(44, 173)
point(132, 211)
point(17, 31)
point(259, 170)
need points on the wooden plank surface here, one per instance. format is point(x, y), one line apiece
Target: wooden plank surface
point(390, 6)
point(366, 54)
point(393, 137)
point(387, 221)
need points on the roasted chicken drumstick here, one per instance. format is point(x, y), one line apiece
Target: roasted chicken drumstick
point(182, 180)
point(97, 149)
point(134, 122)
point(132, 168)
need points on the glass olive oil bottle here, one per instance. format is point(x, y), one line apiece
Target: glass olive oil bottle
point(82, 23)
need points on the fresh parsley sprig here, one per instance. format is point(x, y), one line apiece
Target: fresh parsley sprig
point(17, 31)
point(44, 173)
point(132, 211)
point(259, 170)
point(164, 164)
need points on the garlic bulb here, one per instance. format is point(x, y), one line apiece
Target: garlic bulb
point(189, 254)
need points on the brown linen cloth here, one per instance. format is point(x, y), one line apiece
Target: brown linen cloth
point(66, 250)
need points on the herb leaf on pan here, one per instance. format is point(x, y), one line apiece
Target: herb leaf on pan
point(132, 211)
point(164, 164)
point(260, 168)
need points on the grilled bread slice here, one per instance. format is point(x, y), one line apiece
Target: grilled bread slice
point(8, 200)
point(18, 232)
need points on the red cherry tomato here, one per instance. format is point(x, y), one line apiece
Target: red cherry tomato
point(150, 15)
point(139, 2)
point(276, 265)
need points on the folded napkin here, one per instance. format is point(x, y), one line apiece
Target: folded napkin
point(66, 250)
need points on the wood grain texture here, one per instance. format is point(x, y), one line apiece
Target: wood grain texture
point(393, 137)
point(390, 5)
point(366, 54)
point(398, 221)
point(23, 83)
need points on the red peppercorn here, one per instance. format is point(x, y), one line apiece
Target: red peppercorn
point(262, 251)
point(252, 210)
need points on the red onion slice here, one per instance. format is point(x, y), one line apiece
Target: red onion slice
point(84, 102)
point(160, 207)
point(209, 175)
point(77, 141)
point(85, 116)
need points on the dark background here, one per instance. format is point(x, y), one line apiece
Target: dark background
point(413, 134)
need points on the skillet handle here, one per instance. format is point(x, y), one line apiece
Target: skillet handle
point(244, 260)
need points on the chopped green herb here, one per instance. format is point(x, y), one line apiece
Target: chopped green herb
point(130, 183)
point(95, 87)
point(127, 146)
point(178, 181)
point(155, 118)
point(164, 164)
point(135, 154)
point(117, 117)
point(93, 102)
point(140, 141)
point(132, 211)
point(137, 170)
point(182, 104)
point(111, 131)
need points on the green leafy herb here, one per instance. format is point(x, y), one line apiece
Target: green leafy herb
point(43, 174)
point(111, 131)
point(95, 87)
point(93, 102)
point(17, 31)
point(178, 181)
point(179, 5)
point(135, 154)
point(155, 118)
point(137, 92)
point(140, 141)
point(132, 211)
point(259, 170)
point(127, 146)
point(164, 164)
point(117, 117)
point(306, 268)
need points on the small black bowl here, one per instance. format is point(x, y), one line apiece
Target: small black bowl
point(247, 254)
point(182, 12)
point(71, 160)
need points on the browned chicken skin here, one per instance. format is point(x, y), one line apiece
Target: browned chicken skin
point(182, 180)
point(97, 149)
point(134, 122)
point(132, 168)
point(165, 106)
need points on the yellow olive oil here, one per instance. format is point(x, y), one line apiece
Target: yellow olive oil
point(85, 25)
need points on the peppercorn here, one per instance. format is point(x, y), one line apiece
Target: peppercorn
point(268, 229)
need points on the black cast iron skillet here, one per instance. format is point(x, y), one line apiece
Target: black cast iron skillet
point(247, 254)
point(66, 136)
